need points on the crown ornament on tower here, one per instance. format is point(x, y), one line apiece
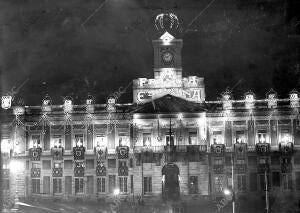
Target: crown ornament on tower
point(166, 22)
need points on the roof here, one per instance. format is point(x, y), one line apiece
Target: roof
point(169, 104)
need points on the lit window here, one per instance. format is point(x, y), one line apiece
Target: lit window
point(79, 140)
point(262, 136)
point(169, 138)
point(57, 141)
point(123, 139)
point(240, 136)
point(285, 136)
point(218, 137)
point(101, 141)
point(101, 185)
point(147, 185)
point(36, 141)
point(78, 185)
point(123, 184)
point(192, 138)
point(146, 139)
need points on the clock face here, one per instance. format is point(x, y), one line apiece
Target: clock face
point(167, 57)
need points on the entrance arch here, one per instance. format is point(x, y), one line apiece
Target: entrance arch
point(170, 182)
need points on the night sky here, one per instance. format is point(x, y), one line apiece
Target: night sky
point(87, 46)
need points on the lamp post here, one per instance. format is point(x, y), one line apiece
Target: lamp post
point(232, 181)
point(266, 188)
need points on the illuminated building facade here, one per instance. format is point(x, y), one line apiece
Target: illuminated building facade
point(170, 143)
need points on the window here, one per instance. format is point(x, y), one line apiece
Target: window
point(90, 184)
point(123, 184)
point(218, 161)
point(90, 164)
point(101, 141)
point(192, 138)
point(240, 161)
point(101, 185)
point(276, 179)
point(68, 185)
point(57, 183)
point(57, 141)
point(27, 165)
point(241, 183)
point(35, 184)
point(253, 182)
point(111, 183)
point(193, 184)
point(122, 163)
point(46, 164)
point(169, 138)
point(287, 181)
point(78, 185)
point(79, 140)
point(217, 137)
point(218, 184)
point(68, 164)
point(275, 160)
point(252, 160)
point(285, 136)
point(147, 185)
point(263, 179)
point(36, 141)
point(229, 180)
point(130, 163)
point(111, 163)
point(262, 136)
point(228, 160)
point(123, 139)
point(146, 139)
point(36, 165)
point(240, 137)
point(5, 184)
point(131, 183)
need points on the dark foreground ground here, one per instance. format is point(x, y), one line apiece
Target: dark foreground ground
point(289, 205)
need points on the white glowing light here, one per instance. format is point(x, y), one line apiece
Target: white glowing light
point(68, 107)
point(116, 192)
point(5, 145)
point(6, 102)
point(15, 166)
point(163, 178)
point(166, 38)
point(227, 192)
point(180, 116)
point(262, 139)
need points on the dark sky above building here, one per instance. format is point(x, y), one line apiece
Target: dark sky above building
point(80, 46)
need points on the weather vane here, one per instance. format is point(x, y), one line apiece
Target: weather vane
point(166, 22)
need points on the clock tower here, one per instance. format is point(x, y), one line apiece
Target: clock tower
point(168, 79)
point(167, 56)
